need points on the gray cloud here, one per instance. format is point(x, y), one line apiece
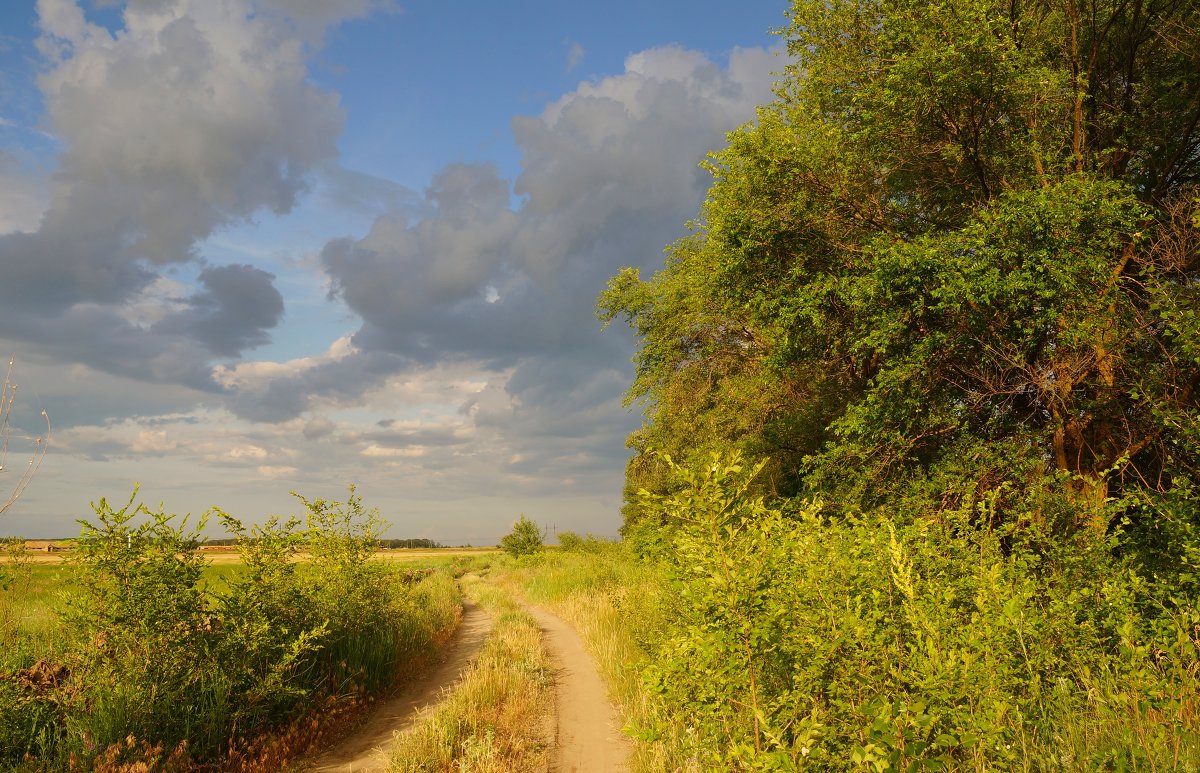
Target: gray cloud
point(194, 116)
point(610, 174)
point(477, 328)
point(233, 312)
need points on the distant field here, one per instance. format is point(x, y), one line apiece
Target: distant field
point(230, 555)
point(27, 605)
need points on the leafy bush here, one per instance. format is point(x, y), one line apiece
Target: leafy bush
point(148, 639)
point(571, 542)
point(524, 540)
point(145, 636)
point(921, 644)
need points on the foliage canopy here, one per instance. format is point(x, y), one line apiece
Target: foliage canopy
point(956, 258)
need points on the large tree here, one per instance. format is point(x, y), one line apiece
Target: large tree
point(957, 255)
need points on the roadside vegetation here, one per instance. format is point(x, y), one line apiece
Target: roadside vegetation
point(498, 718)
point(617, 604)
point(920, 472)
point(154, 661)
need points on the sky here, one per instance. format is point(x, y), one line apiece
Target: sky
point(254, 247)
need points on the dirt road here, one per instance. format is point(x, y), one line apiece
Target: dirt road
point(366, 748)
point(589, 735)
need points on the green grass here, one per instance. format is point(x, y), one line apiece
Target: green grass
point(496, 718)
point(29, 625)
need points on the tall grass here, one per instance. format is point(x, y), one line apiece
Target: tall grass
point(618, 605)
point(872, 645)
point(497, 719)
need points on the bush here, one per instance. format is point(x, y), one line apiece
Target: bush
point(524, 540)
point(146, 640)
point(913, 644)
point(284, 638)
point(571, 542)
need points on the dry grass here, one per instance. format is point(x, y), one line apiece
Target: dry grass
point(612, 601)
point(498, 718)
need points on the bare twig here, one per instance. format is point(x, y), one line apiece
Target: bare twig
point(8, 397)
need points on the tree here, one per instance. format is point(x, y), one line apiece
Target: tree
point(957, 255)
point(525, 539)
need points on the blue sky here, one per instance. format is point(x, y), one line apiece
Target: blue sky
point(255, 246)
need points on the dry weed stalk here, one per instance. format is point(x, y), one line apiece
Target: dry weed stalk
point(8, 396)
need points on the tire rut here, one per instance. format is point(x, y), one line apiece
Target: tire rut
point(589, 738)
point(366, 748)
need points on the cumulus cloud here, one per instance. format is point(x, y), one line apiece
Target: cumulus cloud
point(610, 174)
point(22, 197)
point(477, 366)
point(192, 116)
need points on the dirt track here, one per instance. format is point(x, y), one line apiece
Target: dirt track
point(366, 748)
point(589, 736)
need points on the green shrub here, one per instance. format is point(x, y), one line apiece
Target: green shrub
point(913, 644)
point(524, 540)
point(160, 668)
point(271, 633)
point(145, 640)
point(374, 622)
point(571, 542)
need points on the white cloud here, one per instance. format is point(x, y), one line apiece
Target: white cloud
point(252, 375)
point(192, 116)
point(609, 175)
point(575, 55)
point(152, 441)
point(246, 452)
point(478, 369)
point(381, 451)
point(277, 471)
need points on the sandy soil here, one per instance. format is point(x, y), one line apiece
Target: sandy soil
point(365, 749)
point(589, 738)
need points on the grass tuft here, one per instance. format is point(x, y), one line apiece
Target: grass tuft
point(497, 718)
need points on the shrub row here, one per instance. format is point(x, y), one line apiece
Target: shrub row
point(156, 668)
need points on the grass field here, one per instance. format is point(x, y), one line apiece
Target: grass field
point(28, 621)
